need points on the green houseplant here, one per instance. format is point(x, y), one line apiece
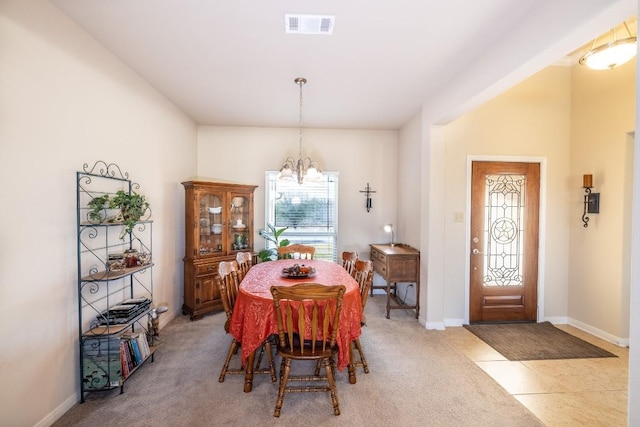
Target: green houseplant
point(272, 234)
point(98, 205)
point(131, 208)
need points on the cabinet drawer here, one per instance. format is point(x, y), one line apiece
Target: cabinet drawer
point(206, 269)
point(377, 255)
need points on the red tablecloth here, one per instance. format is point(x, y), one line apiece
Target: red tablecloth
point(254, 317)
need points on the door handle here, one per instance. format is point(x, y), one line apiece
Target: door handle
point(475, 252)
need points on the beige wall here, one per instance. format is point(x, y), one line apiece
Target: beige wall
point(66, 101)
point(603, 116)
point(578, 121)
point(242, 154)
point(532, 121)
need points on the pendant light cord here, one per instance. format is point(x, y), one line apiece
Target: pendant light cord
point(300, 81)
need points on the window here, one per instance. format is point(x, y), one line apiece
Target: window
point(309, 210)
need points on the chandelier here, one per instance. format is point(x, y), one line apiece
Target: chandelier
point(612, 54)
point(303, 169)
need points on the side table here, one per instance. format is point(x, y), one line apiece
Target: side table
point(397, 263)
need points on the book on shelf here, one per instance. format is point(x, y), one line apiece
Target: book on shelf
point(141, 339)
point(136, 351)
point(124, 359)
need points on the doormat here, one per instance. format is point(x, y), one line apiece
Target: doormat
point(535, 341)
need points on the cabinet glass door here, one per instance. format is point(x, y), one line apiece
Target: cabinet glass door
point(239, 222)
point(212, 223)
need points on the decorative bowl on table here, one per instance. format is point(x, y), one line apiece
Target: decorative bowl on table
point(298, 272)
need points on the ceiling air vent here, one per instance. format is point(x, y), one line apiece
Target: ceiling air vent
point(308, 24)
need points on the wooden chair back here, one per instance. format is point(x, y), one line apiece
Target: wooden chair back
point(228, 284)
point(245, 261)
point(363, 274)
point(308, 318)
point(305, 252)
point(349, 261)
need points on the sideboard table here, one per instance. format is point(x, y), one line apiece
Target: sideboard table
point(397, 263)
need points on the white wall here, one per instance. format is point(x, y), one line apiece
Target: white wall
point(603, 114)
point(242, 154)
point(66, 101)
point(530, 120)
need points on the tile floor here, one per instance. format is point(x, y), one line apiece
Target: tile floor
point(573, 392)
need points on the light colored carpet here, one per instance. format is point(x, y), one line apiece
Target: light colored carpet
point(417, 378)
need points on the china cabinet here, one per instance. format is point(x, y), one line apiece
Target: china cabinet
point(115, 282)
point(219, 224)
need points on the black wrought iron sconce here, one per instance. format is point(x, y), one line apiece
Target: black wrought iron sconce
point(367, 194)
point(591, 200)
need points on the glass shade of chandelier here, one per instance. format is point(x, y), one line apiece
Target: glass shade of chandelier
point(303, 169)
point(612, 54)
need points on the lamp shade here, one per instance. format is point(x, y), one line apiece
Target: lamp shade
point(610, 55)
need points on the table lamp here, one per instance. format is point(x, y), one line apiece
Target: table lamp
point(388, 228)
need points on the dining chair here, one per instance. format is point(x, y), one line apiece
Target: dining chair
point(314, 309)
point(227, 281)
point(349, 260)
point(289, 251)
point(245, 261)
point(363, 274)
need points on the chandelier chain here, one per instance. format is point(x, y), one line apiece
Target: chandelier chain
point(304, 168)
point(300, 82)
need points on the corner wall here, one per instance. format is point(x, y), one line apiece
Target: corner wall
point(66, 101)
point(603, 116)
point(530, 120)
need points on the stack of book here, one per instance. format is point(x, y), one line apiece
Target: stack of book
point(124, 312)
point(134, 349)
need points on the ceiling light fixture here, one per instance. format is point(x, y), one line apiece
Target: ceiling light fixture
point(304, 169)
point(612, 54)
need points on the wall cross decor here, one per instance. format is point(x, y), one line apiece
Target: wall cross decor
point(367, 194)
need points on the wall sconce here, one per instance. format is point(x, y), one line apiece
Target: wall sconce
point(367, 194)
point(591, 200)
point(388, 228)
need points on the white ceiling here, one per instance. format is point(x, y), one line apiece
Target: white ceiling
point(229, 62)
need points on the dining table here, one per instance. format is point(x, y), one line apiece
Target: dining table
point(254, 320)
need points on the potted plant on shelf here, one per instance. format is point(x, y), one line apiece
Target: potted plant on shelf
point(98, 206)
point(272, 234)
point(131, 208)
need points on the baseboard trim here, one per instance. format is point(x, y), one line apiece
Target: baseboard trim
point(435, 325)
point(621, 342)
point(57, 413)
point(453, 323)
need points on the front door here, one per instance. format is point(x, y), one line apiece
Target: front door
point(505, 200)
